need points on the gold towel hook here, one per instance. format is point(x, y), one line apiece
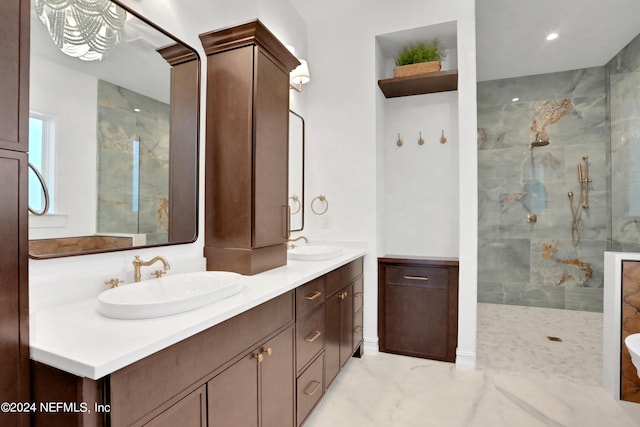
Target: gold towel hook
point(399, 141)
point(420, 140)
point(322, 199)
point(443, 139)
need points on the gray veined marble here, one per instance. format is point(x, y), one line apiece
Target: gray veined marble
point(569, 109)
point(126, 204)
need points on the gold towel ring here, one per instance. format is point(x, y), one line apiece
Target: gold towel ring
point(295, 199)
point(45, 190)
point(322, 199)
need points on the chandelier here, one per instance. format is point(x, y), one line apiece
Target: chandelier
point(84, 29)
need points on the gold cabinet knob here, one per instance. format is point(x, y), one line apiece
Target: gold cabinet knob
point(268, 351)
point(258, 356)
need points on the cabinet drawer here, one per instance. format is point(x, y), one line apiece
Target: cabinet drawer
point(358, 294)
point(429, 277)
point(342, 276)
point(357, 330)
point(310, 332)
point(309, 295)
point(310, 389)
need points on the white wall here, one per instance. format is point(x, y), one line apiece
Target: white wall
point(344, 141)
point(421, 186)
point(71, 97)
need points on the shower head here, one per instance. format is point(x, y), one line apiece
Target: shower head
point(535, 144)
point(538, 142)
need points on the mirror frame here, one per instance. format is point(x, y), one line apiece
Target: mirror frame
point(302, 176)
point(175, 54)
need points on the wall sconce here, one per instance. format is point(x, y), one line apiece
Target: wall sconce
point(299, 76)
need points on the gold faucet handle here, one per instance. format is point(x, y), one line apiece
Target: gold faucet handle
point(158, 273)
point(113, 282)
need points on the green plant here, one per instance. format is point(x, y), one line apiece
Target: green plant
point(421, 52)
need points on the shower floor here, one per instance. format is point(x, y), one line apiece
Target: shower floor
point(514, 338)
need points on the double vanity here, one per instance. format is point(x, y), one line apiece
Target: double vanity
point(262, 356)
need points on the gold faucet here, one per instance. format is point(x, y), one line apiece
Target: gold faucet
point(291, 245)
point(137, 263)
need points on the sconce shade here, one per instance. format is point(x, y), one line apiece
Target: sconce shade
point(300, 75)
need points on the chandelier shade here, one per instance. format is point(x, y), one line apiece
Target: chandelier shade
point(84, 29)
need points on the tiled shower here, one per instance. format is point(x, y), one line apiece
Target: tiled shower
point(537, 246)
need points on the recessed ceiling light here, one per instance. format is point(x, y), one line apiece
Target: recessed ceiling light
point(516, 99)
point(137, 110)
point(552, 36)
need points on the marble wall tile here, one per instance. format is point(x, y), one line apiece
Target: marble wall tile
point(559, 263)
point(533, 295)
point(118, 127)
point(628, 59)
point(564, 84)
point(503, 260)
point(584, 299)
point(491, 292)
point(570, 110)
point(503, 126)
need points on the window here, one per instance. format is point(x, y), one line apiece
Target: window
point(41, 136)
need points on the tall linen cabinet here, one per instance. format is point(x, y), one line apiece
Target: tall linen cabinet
point(246, 166)
point(14, 288)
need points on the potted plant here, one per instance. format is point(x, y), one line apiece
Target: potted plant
point(419, 58)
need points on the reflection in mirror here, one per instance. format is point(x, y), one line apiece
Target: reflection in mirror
point(296, 171)
point(113, 133)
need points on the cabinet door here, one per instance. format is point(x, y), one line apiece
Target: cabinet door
point(14, 69)
point(271, 156)
point(14, 345)
point(332, 338)
point(346, 324)
point(190, 411)
point(277, 378)
point(233, 395)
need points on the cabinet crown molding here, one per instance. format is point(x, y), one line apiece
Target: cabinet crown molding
point(250, 33)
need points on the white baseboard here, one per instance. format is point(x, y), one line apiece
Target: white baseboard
point(465, 359)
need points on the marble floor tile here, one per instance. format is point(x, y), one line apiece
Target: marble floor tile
point(385, 390)
point(522, 380)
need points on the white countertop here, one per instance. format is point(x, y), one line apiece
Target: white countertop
point(73, 337)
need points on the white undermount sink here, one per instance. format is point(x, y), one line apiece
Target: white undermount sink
point(168, 295)
point(314, 252)
point(633, 345)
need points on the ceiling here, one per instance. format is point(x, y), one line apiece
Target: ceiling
point(510, 35)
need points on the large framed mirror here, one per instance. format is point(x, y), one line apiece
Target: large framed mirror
point(296, 171)
point(113, 130)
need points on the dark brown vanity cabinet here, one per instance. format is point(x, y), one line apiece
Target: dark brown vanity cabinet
point(310, 346)
point(418, 307)
point(246, 159)
point(258, 390)
point(264, 367)
point(343, 337)
point(14, 288)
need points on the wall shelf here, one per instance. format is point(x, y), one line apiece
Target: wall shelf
point(441, 81)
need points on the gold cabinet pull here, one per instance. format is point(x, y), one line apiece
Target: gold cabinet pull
point(313, 337)
point(358, 294)
point(258, 356)
point(357, 329)
point(268, 351)
point(315, 385)
point(424, 279)
point(342, 295)
point(313, 296)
